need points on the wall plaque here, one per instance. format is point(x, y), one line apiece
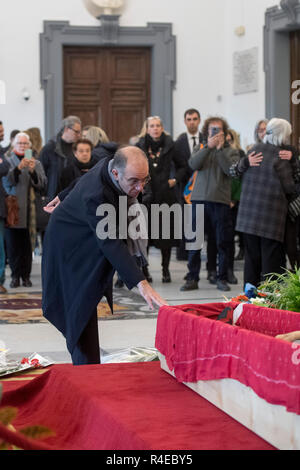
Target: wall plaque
point(245, 69)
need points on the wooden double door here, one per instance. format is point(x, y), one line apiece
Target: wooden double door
point(108, 88)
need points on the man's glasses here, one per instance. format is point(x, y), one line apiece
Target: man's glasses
point(135, 182)
point(22, 143)
point(74, 130)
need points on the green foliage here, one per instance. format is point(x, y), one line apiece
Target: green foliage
point(283, 291)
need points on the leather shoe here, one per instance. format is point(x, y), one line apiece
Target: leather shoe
point(27, 282)
point(222, 285)
point(212, 277)
point(189, 285)
point(15, 282)
point(166, 277)
point(2, 290)
point(231, 279)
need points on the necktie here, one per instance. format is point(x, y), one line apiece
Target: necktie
point(194, 142)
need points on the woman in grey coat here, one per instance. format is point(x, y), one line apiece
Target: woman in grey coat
point(266, 192)
point(24, 176)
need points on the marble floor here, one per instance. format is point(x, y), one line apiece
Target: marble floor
point(115, 335)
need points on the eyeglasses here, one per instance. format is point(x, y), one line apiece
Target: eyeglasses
point(22, 143)
point(136, 182)
point(74, 130)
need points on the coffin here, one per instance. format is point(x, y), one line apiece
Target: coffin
point(236, 363)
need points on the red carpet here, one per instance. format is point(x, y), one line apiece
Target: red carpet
point(121, 407)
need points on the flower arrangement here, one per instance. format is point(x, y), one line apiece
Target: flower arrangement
point(279, 291)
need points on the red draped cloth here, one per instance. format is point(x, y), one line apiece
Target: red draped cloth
point(199, 347)
point(120, 407)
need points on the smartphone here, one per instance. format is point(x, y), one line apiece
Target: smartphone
point(215, 131)
point(28, 154)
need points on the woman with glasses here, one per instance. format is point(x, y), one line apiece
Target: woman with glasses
point(166, 171)
point(25, 173)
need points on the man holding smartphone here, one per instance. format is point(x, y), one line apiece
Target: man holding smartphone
point(213, 189)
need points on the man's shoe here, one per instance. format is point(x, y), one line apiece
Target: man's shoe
point(212, 277)
point(166, 277)
point(231, 279)
point(222, 285)
point(2, 290)
point(189, 285)
point(27, 282)
point(15, 282)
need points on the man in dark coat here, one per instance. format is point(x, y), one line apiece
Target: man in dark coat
point(184, 146)
point(78, 265)
point(57, 154)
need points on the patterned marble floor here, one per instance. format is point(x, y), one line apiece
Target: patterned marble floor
point(135, 328)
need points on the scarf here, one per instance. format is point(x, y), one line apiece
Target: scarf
point(137, 247)
point(154, 145)
point(84, 167)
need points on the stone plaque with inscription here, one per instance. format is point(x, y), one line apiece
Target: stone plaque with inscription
point(245, 68)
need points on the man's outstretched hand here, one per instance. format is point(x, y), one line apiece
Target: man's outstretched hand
point(150, 295)
point(52, 205)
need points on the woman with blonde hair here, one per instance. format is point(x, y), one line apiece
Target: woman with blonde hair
point(103, 147)
point(159, 149)
point(35, 139)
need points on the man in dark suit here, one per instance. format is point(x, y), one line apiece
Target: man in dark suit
point(184, 146)
point(79, 263)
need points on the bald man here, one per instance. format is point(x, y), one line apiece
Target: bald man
point(79, 263)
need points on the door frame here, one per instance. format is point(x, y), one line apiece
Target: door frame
point(279, 23)
point(157, 36)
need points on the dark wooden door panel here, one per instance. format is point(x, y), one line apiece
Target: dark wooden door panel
point(295, 75)
point(125, 119)
point(109, 88)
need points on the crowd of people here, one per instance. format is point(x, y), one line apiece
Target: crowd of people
point(250, 196)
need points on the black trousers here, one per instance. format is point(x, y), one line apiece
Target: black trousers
point(165, 258)
point(19, 252)
point(263, 256)
point(221, 225)
point(87, 350)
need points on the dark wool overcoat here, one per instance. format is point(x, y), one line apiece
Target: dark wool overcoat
point(265, 192)
point(169, 165)
point(77, 266)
